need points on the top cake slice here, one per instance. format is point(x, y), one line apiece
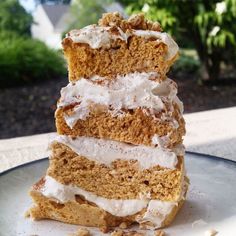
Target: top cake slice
point(117, 46)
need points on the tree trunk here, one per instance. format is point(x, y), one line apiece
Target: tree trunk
point(214, 69)
point(210, 63)
point(211, 66)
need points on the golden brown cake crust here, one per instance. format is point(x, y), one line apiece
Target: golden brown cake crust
point(82, 212)
point(135, 127)
point(122, 180)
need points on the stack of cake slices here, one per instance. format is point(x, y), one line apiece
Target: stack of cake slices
point(118, 156)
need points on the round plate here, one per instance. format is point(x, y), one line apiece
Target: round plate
point(210, 204)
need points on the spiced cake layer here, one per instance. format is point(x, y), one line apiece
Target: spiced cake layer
point(119, 46)
point(136, 128)
point(53, 200)
point(136, 108)
point(116, 170)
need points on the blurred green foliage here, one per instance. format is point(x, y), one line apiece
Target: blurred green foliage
point(186, 64)
point(209, 26)
point(25, 60)
point(13, 17)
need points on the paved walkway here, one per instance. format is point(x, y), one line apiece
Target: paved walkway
point(210, 132)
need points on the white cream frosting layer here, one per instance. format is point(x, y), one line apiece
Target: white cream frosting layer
point(98, 36)
point(106, 151)
point(156, 210)
point(162, 141)
point(129, 91)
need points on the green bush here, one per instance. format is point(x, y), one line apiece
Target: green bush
point(14, 17)
point(25, 60)
point(186, 64)
point(4, 34)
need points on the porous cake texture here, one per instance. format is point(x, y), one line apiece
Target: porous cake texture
point(119, 46)
point(121, 178)
point(118, 156)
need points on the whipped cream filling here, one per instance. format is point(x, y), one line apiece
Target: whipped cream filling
point(126, 91)
point(105, 152)
point(98, 36)
point(162, 141)
point(156, 210)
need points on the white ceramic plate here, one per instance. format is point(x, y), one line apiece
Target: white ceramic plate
point(211, 201)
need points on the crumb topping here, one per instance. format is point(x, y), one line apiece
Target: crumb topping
point(137, 22)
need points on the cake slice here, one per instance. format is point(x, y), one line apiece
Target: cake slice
point(117, 170)
point(119, 46)
point(154, 214)
point(137, 108)
point(104, 183)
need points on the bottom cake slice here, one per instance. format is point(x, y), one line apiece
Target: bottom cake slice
point(73, 205)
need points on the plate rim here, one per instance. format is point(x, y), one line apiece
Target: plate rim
point(217, 158)
point(23, 165)
point(209, 156)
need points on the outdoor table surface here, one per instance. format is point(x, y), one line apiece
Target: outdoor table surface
point(210, 132)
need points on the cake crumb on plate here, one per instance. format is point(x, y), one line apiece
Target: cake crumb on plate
point(81, 232)
point(211, 232)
